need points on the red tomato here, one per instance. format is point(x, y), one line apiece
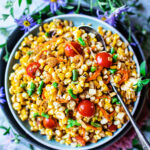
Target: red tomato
point(80, 140)
point(31, 69)
point(69, 50)
point(86, 108)
point(112, 127)
point(104, 59)
point(49, 123)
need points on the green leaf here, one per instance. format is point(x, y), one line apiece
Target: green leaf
point(29, 2)
point(139, 88)
point(19, 2)
point(3, 127)
point(2, 45)
point(68, 7)
point(7, 131)
point(143, 68)
point(12, 12)
point(58, 12)
point(145, 82)
point(5, 16)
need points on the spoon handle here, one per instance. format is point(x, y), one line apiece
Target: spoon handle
point(145, 144)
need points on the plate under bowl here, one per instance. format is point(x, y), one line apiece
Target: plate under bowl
point(77, 20)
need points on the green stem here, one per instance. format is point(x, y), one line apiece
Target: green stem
point(91, 6)
point(101, 7)
point(110, 4)
point(78, 7)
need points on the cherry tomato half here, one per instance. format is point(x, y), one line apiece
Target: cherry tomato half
point(49, 123)
point(112, 127)
point(86, 108)
point(32, 68)
point(69, 50)
point(80, 140)
point(104, 59)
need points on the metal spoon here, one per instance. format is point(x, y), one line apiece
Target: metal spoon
point(145, 144)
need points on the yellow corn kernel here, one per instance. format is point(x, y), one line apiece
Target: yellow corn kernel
point(46, 68)
point(17, 106)
point(116, 79)
point(24, 59)
point(59, 31)
point(73, 65)
point(67, 81)
point(66, 23)
point(87, 55)
point(59, 41)
point(96, 84)
point(80, 89)
point(99, 93)
point(113, 67)
point(108, 133)
point(81, 83)
point(99, 78)
point(50, 70)
point(84, 67)
point(75, 91)
point(100, 30)
point(61, 76)
point(17, 55)
point(108, 33)
point(15, 66)
point(86, 85)
point(68, 74)
point(105, 88)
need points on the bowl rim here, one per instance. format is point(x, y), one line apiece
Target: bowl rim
point(7, 80)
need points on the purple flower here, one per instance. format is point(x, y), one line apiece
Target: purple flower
point(26, 22)
point(55, 4)
point(111, 19)
point(2, 94)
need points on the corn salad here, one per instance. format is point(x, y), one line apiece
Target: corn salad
point(61, 83)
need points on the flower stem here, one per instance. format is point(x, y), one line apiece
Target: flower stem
point(78, 7)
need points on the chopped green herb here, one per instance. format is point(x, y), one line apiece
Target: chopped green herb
point(29, 53)
point(95, 124)
point(93, 69)
point(35, 115)
point(72, 123)
point(112, 50)
point(115, 57)
point(78, 145)
point(67, 111)
point(75, 82)
point(70, 91)
point(31, 89)
point(39, 90)
point(114, 100)
point(47, 34)
point(141, 83)
point(74, 75)
point(45, 115)
point(23, 85)
point(143, 68)
point(80, 40)
point(112, 71)
point(55, 85)
point(118, 102)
